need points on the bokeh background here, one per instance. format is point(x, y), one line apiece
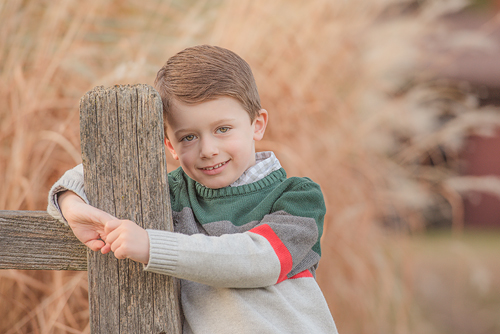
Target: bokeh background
point(390, 105)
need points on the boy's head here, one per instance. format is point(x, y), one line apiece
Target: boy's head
point(203, 73)
point(212, 114)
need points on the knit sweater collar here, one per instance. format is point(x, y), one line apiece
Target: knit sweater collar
point(273, 177)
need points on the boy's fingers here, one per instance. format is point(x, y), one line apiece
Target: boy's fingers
point(106, 249)
point(111, 225)
point(95, 245)
point(111, 233)
point(111, 238)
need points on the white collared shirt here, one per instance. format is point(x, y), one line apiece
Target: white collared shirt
point(265, 164)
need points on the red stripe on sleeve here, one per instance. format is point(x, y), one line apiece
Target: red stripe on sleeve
point(305, 273)
point(279, 247)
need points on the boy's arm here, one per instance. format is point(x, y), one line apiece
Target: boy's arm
point(68, 203)
point(280, 246)
point(240, 260)
point(87, 222)
point(72, 180)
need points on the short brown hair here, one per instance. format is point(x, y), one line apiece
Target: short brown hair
point(203, 73)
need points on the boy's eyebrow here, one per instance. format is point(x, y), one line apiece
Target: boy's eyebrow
point(214, 123)
point(219, 121)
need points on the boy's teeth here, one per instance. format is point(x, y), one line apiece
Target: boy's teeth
point(216, 166)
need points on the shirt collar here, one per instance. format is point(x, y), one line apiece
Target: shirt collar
point(265, 164)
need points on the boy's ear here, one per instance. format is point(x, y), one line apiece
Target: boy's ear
point(260, 123)
point(168, 144)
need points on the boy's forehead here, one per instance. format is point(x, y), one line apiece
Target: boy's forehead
point(216, 106)
point(207, 112)
point(176, 103)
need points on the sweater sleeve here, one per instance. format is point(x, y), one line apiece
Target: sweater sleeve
point(280, 246)
point(294, 229)
point(241, 260)
point(71, 180)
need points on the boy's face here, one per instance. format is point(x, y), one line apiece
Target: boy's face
point(214, 141)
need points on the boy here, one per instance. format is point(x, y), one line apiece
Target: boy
point(246, 240)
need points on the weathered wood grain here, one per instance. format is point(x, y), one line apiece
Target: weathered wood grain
point(35, 240)
point(125, 174)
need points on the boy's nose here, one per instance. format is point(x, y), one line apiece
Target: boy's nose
point(208, 148)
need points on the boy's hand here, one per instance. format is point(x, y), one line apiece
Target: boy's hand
point(86, 221)
point(126, 239)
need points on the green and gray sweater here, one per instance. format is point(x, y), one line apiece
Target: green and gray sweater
point(246, 255)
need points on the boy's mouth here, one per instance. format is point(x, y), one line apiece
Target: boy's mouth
point(215, 166)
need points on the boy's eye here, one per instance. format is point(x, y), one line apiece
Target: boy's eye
point(188, 138)
point(223, 129)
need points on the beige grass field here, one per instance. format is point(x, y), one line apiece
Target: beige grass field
point(351, 105)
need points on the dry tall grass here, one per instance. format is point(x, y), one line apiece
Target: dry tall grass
point(350, 105)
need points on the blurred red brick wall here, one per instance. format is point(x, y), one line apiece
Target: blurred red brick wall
point(482, 157)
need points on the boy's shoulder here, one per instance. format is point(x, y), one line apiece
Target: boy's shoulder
point(301, 183)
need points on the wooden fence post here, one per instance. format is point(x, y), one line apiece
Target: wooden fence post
point(126, 175)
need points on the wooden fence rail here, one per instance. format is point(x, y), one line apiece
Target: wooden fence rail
point(35, 240)
point(125, 172)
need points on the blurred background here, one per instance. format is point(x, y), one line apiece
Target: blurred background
point(392, 106)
